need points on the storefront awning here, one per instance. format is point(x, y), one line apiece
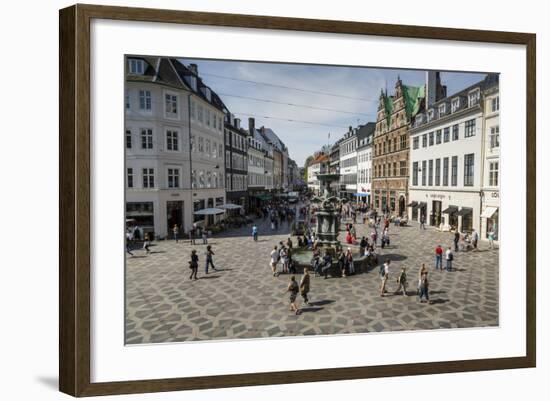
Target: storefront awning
point(230, 206)
point(422, 204)
point(361, 194)
point(465, 211)
point(489, 212)
point(413, 204)
point(209, 212)
point(452, 209)
point(264, 197)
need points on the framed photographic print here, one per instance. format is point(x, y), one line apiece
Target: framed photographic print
point(250, 200)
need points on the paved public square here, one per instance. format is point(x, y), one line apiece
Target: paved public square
point(244, 300)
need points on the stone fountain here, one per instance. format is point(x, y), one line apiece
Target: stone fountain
point(328, 214)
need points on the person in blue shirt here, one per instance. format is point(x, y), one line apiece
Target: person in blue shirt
point(255, 232)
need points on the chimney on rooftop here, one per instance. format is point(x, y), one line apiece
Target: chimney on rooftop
point(251, 125)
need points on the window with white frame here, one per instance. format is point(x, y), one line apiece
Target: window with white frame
point(207, 147)
point(208, 179)
point(172, 140)
point(495, 137)
point(201, 179)
point(173, 175)
point(130, 177)
point(128, 139)
point(127, 99)
point(146, 138)
point(469, 128)
point(469, 170)
point(136, 66)
point(171, 104)
point(446, 134)
point(495, 103)
point(192, 109)
point(455, 132)
point(199, 113)
point(493, 174)
point(455, 104)
point(473, 98)
point(207, 117)
point(201, 144)
point(194, 178)
point(145, 100)
point(442, 109)
point(148, 175)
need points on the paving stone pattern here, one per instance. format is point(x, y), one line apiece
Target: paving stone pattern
point(244, 300)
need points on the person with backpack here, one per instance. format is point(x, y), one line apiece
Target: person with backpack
point(402, 282)
point(293, 289)
point(449, 259)
point(194, 264)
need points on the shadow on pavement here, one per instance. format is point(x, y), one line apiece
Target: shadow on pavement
point(323, 302)
point(312, 309)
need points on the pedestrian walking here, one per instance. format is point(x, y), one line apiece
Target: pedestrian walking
point(422, 270)
point(449, 259)
point(422, 222)
point(274, 259)
point(289, 243)
point(192, 236)
point(194, 264)
point(385, 270)
point(424, 288)
point(363, 245)
point(491, 237)
point(342, 262)
point(255, 232)
point(204, 237)
point(146, 243)
point(439, 258)
point(293, 289)
point(402, 282)
point(475, 239)
point(456, 239)
point(209, 259)
point(283, 253)
point(304, 286)
point(176, 232)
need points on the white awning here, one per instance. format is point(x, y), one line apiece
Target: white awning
point(209, 212)
point(489, 212)
point(230, 206)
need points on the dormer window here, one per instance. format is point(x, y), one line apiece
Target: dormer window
point(473, 98)
point(442, 109)
point(207, 93)
point(455, 104)
point(136, 66)
point(431, 114)
point(419, 119)
point(192, 81)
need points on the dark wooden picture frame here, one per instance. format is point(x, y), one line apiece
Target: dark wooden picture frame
point(74, 202)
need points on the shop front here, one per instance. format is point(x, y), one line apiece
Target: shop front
point(466, 221)
point(452, 217)
point(490, 214)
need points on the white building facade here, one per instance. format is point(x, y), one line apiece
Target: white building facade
point(446, 162)
point(174, 145)
point(348, 164)
point(365, 135)
point(491, 178)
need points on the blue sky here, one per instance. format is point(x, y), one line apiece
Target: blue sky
point(359, 88)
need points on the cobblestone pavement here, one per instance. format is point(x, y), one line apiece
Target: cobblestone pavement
point(243, 300)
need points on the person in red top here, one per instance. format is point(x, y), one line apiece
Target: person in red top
point(439, 258)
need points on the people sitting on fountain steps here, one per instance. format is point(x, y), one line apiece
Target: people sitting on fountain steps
point(327, 263)
point(316, 262)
